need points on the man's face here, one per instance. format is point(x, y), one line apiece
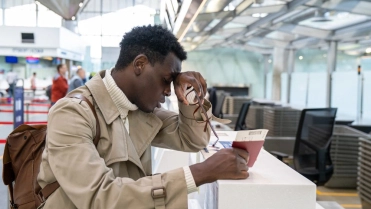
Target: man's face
point(155, 83)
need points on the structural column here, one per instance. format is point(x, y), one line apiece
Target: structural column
point(266, 70)
point(279, 66)
point(331, 67)
point(290, 70)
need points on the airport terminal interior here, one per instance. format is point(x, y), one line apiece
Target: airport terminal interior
point(299, 71)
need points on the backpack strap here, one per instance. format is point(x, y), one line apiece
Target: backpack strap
point(50, 188)
point(97, 127)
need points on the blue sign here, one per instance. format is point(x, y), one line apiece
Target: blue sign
point(18, 106)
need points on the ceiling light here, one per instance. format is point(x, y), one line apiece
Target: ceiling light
point(320, 16)
point(81, 4)
point(368, 50)
point(255, 15)
point(37, 2)
point(301, 57)
point(324, 55)
point(73, 18)
point(270, 61)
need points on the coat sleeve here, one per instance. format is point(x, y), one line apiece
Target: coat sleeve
point(82, 173)
point(186, 131)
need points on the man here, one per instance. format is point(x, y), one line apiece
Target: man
point(33, 83)
point(117, 174)
point(77, 80)
point(11, 78)
point(60, 84)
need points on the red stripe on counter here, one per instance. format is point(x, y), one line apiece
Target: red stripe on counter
point(27, 123)
point(27, 112)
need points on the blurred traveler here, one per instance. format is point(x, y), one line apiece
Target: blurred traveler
point(33, 83)
point(60, 84)
point(92, 74)
point(11, 78)
point(127, 98)
point(77, 80)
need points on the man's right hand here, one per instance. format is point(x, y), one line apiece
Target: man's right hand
point(225, 164)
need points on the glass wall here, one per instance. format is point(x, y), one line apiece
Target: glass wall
point(309, 84)
point(29, 15)
point(366, 97)
point(107, 30)
point(231, 67)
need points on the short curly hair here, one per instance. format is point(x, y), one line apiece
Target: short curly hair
point(153, 41)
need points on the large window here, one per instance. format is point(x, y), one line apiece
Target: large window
point(345, 94)
point(1, 17)
point(47, 18)
point(107, 30)
point(24, 15)
point(367, 97)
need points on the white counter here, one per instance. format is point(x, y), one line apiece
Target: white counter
point(271, 185)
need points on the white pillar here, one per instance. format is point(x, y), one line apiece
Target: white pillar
point(290, 70)
point(331, 67)
point(279, 66)
point(266, 70)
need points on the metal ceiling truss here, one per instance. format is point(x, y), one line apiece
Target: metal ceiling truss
point(282, 18)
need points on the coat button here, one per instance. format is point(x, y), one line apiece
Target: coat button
point(25, 137)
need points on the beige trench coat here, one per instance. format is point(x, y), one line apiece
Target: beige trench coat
point(116, 173)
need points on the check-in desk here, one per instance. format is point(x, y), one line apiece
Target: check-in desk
point(271, 185)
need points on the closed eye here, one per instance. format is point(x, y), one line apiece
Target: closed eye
point(167, 81)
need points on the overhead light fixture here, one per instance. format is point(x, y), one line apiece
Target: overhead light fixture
point(81, 4)
point(368, 50)
point(270, 61)
point(320, 16)
point(73, 18)
point(301, 57)
point(259, 14)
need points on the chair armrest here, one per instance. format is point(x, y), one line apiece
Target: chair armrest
point(279, 155)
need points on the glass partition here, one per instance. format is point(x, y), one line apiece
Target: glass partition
point(345, 94)
point(317, 90)
point(268, 90)
point(367, 97)
point(299, 86)
point(284, 80)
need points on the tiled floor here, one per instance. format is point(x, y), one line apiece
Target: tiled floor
point(348, 199)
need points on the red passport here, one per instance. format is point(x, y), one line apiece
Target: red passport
point(251, 140)
point(252, 147)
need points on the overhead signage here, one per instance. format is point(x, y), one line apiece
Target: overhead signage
point(28, 50)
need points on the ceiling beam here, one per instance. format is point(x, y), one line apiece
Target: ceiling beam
point(268, 19)
point(303, 30)
point(352, 31)
point(352, 6)
point(236, 12)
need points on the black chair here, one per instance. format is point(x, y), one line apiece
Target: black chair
point(312, 145)
point(212, 96)
point(240, 123)
point(217, 111)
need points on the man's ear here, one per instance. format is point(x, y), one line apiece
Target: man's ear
point(139, 62)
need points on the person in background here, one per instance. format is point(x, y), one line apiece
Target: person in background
point(77, 80)
point(60, 84)
point(11, 78)
point(92, 74)
point(33, 83)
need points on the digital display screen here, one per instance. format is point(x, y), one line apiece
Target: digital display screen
point(32, 60)
point(11, 59)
